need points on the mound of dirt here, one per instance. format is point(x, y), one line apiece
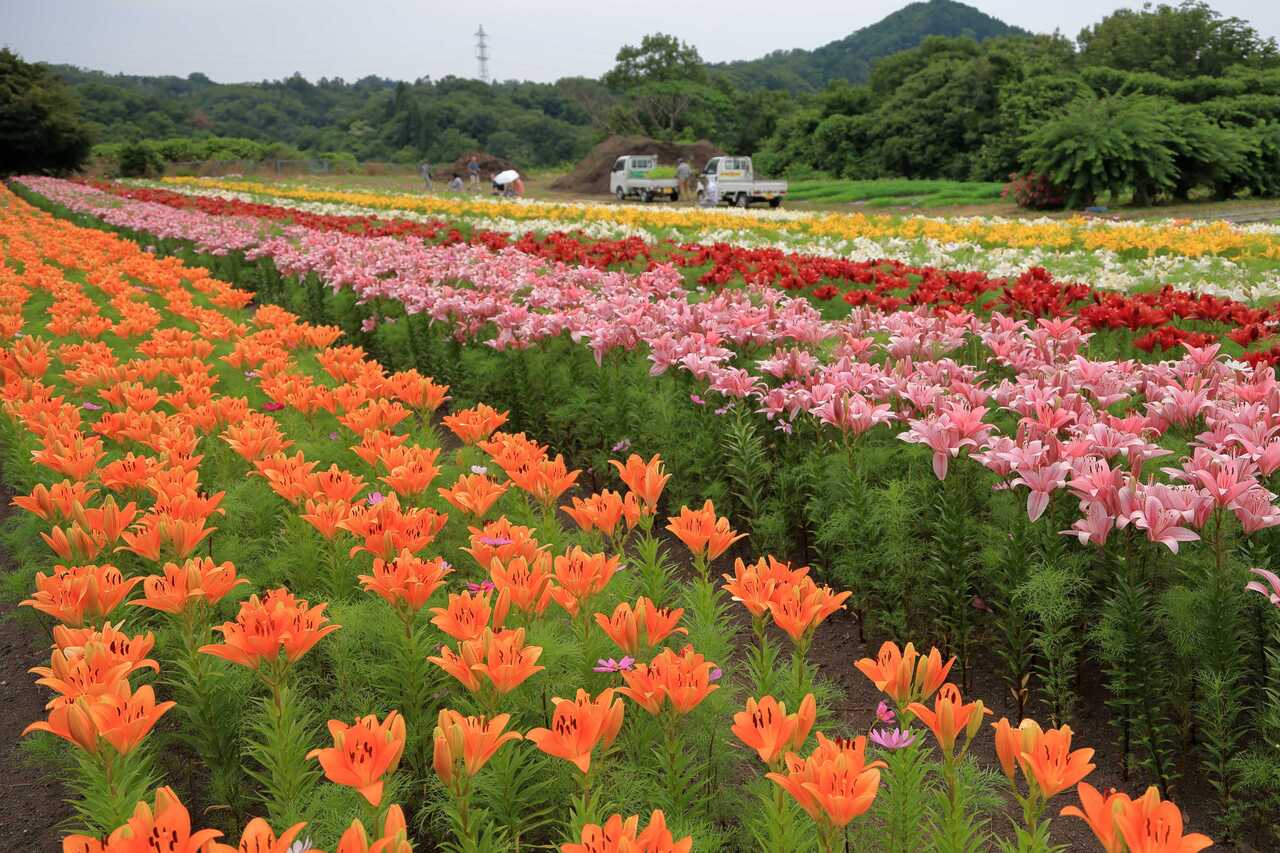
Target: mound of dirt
point(489, 166)
point(592, 174)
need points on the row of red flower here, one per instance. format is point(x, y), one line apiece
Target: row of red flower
point(884, 284)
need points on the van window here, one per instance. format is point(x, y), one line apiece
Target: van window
point(710, 168)
point(620, 165)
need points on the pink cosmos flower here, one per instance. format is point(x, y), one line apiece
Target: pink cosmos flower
point(892, 739)
point(611, 665)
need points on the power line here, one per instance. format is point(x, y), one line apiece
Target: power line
point(482, 54)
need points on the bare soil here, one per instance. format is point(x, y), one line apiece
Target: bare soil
point(31, 801)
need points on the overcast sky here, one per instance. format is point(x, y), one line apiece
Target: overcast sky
point(238, 40)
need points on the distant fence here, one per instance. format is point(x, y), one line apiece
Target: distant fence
point(220, 168)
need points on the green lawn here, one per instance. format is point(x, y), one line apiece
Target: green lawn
point(895, 192)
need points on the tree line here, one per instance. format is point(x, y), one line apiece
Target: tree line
point(1161, 102)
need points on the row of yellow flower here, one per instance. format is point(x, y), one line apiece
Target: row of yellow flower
point(1165, 237)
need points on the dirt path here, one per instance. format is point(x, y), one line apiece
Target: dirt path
point(31, 801)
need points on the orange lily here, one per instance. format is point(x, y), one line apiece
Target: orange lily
point(1151, 825)
point(474, 494)
point(363, 753)
point(109, 640)
point(265, 628)
point(646, 480)
point(466, 616)
point(835, 783)
point(546, 479)
point(904, 676)
point(56, 501)
point(465, 744)
point(950, 716)
point(1011, 743)
point(580, 575)
point(578, 726)
point(503, 540)
point(702, 532)
point(505, 660)
point(80, 594)
point(685, 679)
point(394, 838)
point(623, 627)
point(799, 608)
point(258, 837)
point(1100, 813)
point(406, 582)
point(1052, 764)
point(326, 516)
point(71, 722)
point(601, 511)
point(169, 821)
point(91, 671)
point(621, 836)
point(127, 716)
point(416, 390)
point(766, 727)
point(475, 424)
point(526, 584)
point(462, 664)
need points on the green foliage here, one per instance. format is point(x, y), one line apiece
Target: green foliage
point(41, 130)
point(1107, 147)
point(1175, 41)
point(138, 161)
point(282, 731)
point(193, 118)
point(1137, 681)
point(1054, 595)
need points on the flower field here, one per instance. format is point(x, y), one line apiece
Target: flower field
point(383, 523)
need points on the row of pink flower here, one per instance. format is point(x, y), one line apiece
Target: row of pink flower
point(867, 370)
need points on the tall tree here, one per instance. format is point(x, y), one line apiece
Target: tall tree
point(659, 58)
point(1186, 40)
point(40, 126)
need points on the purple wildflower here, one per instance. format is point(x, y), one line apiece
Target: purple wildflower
point(483, 586)
point(375, 498)
point(622, 446)
point(92, 407)
point(479, 469)
point(695, 398)
point(715, 674)
point(494, 541)
point(885, 714)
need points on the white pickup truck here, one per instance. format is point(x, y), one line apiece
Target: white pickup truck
point(732, 180)
point(628, 179)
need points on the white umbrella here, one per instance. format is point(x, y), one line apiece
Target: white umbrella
point(507, 177)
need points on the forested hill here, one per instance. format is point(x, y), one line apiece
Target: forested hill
point(851, 57)
point(371, 118)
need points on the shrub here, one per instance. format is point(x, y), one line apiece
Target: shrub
point(1034, 192)
point(139, 161)
point(1107, 146)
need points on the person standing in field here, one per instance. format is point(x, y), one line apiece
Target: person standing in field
point(683, 173)
point(425, 171)
point(473, 169)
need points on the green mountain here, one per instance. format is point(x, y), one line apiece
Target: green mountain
point(851, 57)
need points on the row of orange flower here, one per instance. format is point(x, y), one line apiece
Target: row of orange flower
point(98, 709)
